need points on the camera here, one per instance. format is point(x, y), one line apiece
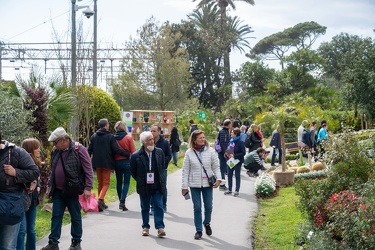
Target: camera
point(88, 12)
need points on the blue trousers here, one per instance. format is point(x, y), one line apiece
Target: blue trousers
point(60, 202)
point(8, 236)
point(223, 165)
point(27, 228)
point(237, 172)
point(156, 197)
point(122, 170)
point(196, 195)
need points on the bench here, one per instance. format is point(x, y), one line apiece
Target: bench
point(291, 147)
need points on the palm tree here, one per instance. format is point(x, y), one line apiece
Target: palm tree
point(223, 4)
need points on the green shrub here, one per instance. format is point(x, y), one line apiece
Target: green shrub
point(265, 185)
point(290, 157)
point(310, 175)
point(303, 169)
point(318, 166)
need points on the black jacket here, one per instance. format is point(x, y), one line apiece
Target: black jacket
point(26, 170)
point(255, 140)
point(139, 168)
point(163, 144)
point(173, 142)
point(224, 139)
point(103, 148)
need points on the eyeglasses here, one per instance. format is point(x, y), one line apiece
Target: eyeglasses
point(57, 141)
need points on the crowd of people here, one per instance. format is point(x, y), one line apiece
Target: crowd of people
point(73, 166)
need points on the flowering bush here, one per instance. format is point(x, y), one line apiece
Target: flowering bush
point(265, 185)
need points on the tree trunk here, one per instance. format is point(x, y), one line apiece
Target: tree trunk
point(283, 160)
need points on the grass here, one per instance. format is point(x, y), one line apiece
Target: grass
point(277, 221)
point(43, 219)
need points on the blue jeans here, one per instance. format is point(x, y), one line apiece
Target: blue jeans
point(164, 194)
point(223, 165)
point(8, 236)
point(237, 173)
point(175, 156)
point(207, 194)
point(156, 197)
point(60, 202)
point(122, 170)
point(274, 156)
point(27, 228)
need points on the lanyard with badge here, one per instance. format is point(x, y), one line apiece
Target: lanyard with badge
point(150, 174)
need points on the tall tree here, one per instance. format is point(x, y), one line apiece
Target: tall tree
point(155, 71)
point(223, 4)
point(350, 60)
point(276, 46)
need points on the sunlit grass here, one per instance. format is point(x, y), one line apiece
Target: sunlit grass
point(277, 221)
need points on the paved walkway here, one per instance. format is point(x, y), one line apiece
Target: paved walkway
point(115, 229)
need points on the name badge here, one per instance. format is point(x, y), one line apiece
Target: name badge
point(150, 178)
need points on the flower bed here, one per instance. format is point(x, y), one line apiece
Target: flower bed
point(265, 185)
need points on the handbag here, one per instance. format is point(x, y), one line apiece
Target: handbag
point(11, 204)
point(217, 146)
point(212, 178)
point(90, 204)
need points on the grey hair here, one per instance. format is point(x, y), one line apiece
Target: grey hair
point(144, 136)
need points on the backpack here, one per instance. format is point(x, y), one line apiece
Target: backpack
point(177, 142)
point(248, 141)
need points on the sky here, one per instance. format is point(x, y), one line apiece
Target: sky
point(32, 21)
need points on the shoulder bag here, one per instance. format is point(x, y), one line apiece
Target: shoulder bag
point(211, 179)
point(11, 203)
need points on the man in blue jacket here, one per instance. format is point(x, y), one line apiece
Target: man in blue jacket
point(162, 143)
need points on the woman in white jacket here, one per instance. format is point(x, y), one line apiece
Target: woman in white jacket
point(200, 155)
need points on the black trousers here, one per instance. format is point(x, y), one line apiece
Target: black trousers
point(253, 167)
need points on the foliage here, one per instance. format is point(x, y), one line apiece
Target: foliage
point(230, 35)
point(157, 73)
point(36, 101)
point(265, 185)
point(209, 125)
point(341, 205)
point(14, 119)
point(254, 77)
point(303, 169)
point(310, 175)
point(318, 166)
point(348, 161)
point(93, 105)
point(276, 46)
point(349, 59)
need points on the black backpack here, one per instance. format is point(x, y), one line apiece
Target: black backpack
point(248, 141)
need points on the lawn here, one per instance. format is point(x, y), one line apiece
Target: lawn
point(277, 221)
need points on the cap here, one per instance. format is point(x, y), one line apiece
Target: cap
point(57, 134)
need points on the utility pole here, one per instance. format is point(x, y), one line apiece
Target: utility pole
point(95, 57)
point(74, 70)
